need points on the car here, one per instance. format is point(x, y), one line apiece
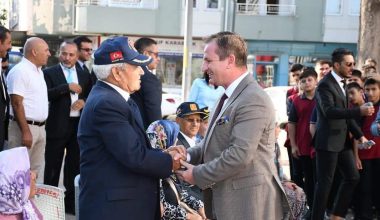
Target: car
point(169, 104)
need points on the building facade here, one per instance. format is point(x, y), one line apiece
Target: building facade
point(278, 32)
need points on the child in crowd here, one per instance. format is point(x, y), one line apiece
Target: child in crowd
point(299, 135)
point(356, 77)
point(368, 160)
point(355, 94)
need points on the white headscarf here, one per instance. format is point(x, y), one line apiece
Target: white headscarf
point(15, 183)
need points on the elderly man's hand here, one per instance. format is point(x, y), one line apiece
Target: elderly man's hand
point(179, 149)
point(186, 175)
point(176, 158)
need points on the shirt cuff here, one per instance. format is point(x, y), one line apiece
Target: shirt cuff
point(188, 158)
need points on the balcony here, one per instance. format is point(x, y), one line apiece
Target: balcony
point(145, 4)
point(265, 9)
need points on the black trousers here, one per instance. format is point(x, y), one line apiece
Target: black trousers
point(368, 191)
point(54, 152)
point(327, 163)
point(308, 173)
point(296, 171)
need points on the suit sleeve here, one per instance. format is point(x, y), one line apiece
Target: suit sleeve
point(242, 147)
point(327, 103)
point(54, 92)
point(126, 145)
point(152, 98)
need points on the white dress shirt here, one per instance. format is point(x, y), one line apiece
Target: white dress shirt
point(122, 92)
point(190, 141)
point(28, 81)
point(338, 80)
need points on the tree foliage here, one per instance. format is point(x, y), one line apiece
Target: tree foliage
point(3, 16)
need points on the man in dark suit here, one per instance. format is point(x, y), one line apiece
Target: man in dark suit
point(332, 142)
point(84, 45)
point(68, 88)
point(120, 170)
point(5, 45)
point(149, 97)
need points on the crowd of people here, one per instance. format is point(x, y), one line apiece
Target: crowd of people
point(332, 131)
point(217, 160)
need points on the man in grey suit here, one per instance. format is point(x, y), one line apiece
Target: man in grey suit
point(234, 164)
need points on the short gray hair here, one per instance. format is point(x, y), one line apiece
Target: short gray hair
point(103, 71)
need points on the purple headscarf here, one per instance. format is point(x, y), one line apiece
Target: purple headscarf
point(15, 183)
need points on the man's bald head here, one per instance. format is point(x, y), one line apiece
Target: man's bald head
point(36, 50)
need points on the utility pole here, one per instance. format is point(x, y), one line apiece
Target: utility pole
point(228, 18)
point(187, 47)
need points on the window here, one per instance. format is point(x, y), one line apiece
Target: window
point(334, 7)
point(354, 7)
point(212, 4)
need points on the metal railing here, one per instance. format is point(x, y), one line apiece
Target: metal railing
point(148, 4)
point(266, 9)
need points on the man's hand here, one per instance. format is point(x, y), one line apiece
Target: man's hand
point(358, 163)
point(295, 151)
point(27, 139)
point(176, 158)
point(74, 87)
point(186, 175)
point(77, 105)
point(366, 110)
point(202, 212)
point(179, 149)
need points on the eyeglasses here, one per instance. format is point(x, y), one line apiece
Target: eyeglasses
point(154, 53)
point(87, 49)
point(350, 64)
point(193, 120)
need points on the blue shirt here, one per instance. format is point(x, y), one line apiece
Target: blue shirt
point(204, 95)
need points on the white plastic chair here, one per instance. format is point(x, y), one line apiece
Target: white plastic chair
point(50, 202)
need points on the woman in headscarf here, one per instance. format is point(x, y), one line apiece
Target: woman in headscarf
point(175, 201)
point(17, 186)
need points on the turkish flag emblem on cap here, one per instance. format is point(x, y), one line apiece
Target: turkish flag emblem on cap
point(116, 56)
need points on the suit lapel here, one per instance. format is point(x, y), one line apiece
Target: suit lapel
point(239, 89)
point(338, 88)
point(183, 140)
point(60, 75)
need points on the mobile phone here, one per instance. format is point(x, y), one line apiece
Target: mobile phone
point(367, 144)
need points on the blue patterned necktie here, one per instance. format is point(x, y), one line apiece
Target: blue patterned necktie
point(70, 74)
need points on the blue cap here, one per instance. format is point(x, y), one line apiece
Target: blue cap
point(188, 108)
point(119, 50)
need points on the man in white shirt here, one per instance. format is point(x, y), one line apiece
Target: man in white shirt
point(5, 45)
point(29, 103)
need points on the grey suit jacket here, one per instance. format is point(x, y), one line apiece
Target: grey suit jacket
point(236, 159)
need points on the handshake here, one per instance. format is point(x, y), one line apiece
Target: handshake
point(177, 153)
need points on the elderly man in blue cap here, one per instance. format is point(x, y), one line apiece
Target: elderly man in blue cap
point(120, 170)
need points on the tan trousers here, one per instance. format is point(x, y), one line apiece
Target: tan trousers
point(37, 152)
